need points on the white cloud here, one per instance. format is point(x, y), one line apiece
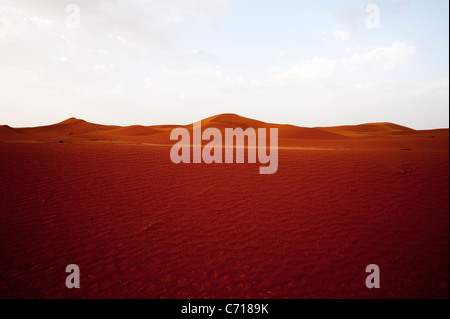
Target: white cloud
point(142, 23)
point(206, 73)
point(307, 71)
point(342, 35)
point(353, 48)
point(387, 57)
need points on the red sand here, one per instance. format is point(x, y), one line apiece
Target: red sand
point(342, 198)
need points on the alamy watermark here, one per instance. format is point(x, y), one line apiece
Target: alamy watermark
point(212, 152)
point(73, 16)
point(373, 280)
point(373, 16)
point(73, 280)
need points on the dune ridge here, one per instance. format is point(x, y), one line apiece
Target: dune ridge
point(75, 130)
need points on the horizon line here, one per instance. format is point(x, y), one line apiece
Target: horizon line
point(222, 114)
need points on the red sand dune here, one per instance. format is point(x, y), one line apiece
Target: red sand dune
point(76, 130)
point(138, 226)
point(374, 129)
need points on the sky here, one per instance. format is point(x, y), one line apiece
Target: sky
point(150, 62)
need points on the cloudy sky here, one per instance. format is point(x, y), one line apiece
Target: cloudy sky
point(308, 63)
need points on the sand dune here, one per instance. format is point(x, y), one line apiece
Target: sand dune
point(79, 131)
point(140, 226)
point(372, 129)
point(7, 132)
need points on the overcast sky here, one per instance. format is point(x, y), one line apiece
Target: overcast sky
point(307, 63)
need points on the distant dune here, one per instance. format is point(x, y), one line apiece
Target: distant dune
point(79, 131)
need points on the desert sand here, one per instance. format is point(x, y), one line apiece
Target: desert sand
point(109, 199)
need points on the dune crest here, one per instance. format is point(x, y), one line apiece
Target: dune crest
point(370, 129)
point(74, 130)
